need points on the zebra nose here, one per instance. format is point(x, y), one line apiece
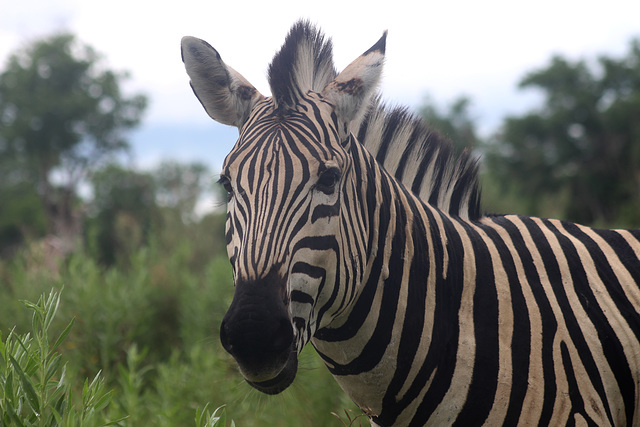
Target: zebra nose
point(259, 338)
point(257, 329)
point(262, 347)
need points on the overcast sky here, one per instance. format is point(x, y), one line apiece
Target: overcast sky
point(445, 48)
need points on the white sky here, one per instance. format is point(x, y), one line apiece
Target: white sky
point(445, 48)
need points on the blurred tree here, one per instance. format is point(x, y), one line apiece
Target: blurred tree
point(61, 113)
point(123, 212)
point(456, 123)
point(182, 190)
point(180, 186)
point(21, 216)
point(583, 145)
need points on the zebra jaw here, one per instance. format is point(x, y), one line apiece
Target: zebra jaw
point(281, 381)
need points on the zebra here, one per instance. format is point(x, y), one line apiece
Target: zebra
point(352, 226)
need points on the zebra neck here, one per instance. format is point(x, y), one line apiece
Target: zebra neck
point(391, 319)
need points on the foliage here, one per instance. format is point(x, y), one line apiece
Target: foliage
point(180, 186)
point(122, 213)
point(205, 418)
point(61, 113)
point(129, 206)
point(581, 149)
point(350, 418)
point(150, 327)
point(19, 201)
point(34, 388)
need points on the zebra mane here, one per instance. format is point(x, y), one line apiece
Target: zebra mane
point(305, 62)
point(422, 159)
point(400, 141)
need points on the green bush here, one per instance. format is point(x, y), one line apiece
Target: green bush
point(34, 389)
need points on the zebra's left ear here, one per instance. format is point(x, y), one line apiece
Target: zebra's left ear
point(351, 90)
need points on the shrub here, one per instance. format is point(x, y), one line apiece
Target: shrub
point(34, 390)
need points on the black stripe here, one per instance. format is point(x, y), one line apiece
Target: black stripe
point(612, 347)
point(440, 361)
point(549, 323)
point(577, 403)
point(375, 348)
point(521, 338)
point(484, 381)
point(365, 300)
point(411, 327)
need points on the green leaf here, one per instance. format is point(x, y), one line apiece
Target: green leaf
point(63, 375)
point(110, 423)
point(103, 401)
point(56, 414)
point(52, 367)
point(51, 308)
point(8, 385)
point(27, 386)
point(63, 335)
point(17, 421)
point(3, 349)
point(201, 414)
point(59, 406)
point(30, 305)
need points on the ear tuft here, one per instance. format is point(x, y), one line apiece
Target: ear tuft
point(380, 46)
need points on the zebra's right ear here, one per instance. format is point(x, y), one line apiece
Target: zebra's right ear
point(352, 89)
point(225, 95)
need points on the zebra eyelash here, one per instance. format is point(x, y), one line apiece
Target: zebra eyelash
point(226, 184)
point(328, 179)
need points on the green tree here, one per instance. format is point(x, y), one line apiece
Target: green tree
point(581, 148)
point(20, 216)
point(181, 189)
point(62, 112)
point(180, 186)
point(123, 212)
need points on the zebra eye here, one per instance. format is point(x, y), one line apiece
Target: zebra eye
point(328, 180)
point(226, 184)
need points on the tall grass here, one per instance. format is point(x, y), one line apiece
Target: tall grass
point(150, 330)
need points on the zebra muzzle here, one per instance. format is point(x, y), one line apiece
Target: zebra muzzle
point(257, 332)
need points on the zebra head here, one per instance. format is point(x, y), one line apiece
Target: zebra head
point(287, 177)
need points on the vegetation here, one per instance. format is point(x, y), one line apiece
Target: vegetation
point(149, 328)
point(35, 390)
point(583, 144)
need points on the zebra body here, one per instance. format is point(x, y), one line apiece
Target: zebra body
point(351, 226)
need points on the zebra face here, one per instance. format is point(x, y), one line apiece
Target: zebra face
point(284, 178)
point(288, 177)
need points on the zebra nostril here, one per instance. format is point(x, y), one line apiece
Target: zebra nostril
point(284, 335)
point(224, 338)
